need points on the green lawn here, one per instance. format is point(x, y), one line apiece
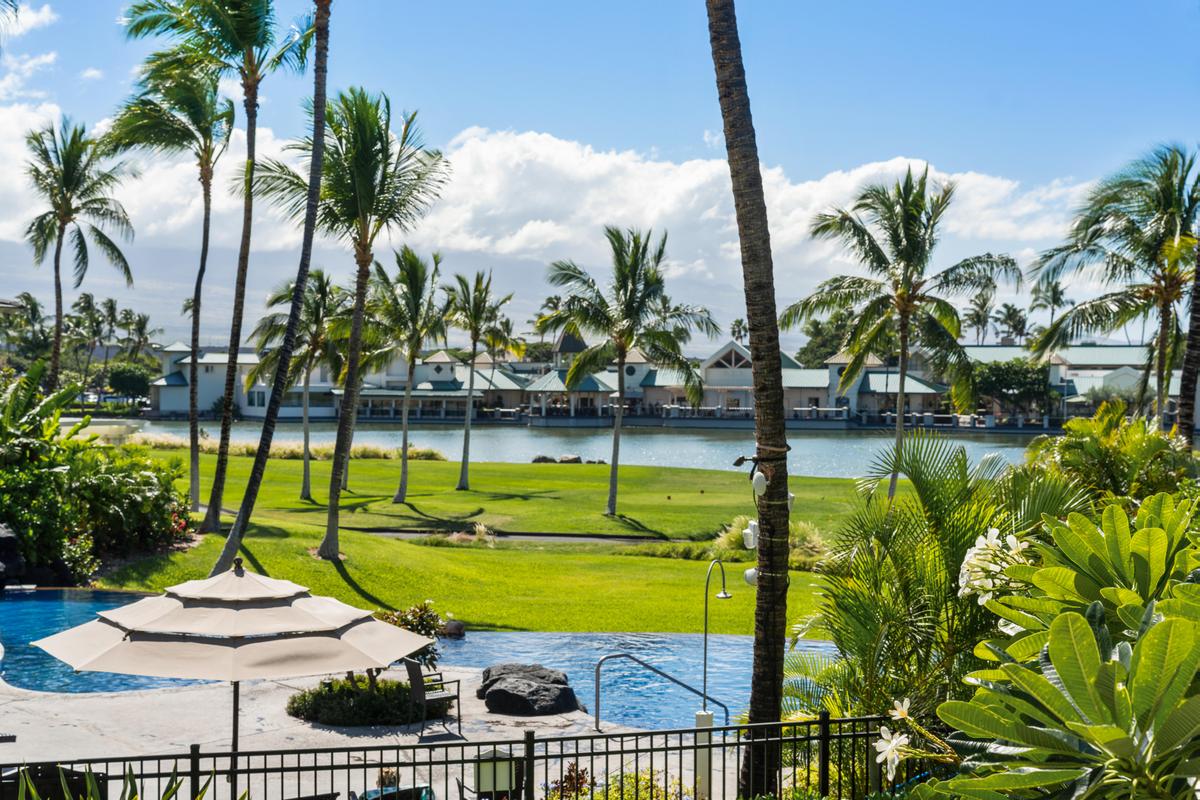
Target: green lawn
point(542, 498)
point(524, 587)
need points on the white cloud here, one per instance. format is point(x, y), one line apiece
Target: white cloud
point(29, 19)
point(15, 72)
point(91, 74)
point(16, 197)
point(713, 140)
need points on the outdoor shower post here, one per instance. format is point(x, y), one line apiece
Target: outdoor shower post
point(528, 766)
point(703, 761)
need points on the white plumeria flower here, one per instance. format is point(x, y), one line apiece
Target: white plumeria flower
point(900, 710)
point(888, 747)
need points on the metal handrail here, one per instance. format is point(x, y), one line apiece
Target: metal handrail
point(658, 672)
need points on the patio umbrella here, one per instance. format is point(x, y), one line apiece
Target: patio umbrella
point(233, 627)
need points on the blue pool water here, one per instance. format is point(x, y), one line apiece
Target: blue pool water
point(28, 616)
point(631, 695)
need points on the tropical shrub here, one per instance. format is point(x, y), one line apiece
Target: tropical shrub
point(891, 602)
point(130, 379)
point(288, 451)
point(423, 620)
point(377, 702)
point(1115, 457)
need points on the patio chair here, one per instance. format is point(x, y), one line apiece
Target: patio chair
point(432, 687)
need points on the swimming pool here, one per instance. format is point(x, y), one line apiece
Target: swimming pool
point(631, 695)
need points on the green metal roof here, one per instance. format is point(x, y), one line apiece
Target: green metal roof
point(888, 382)
point(175, 378)
point(800, 378)
point(556, 381)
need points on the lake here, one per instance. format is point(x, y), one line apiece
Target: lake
point(837, 454)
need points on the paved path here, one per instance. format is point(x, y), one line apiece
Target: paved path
point(162, 721)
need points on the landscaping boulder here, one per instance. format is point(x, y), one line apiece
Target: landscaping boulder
point(454, 629)
point(527, 690)
point(570, 460)
point(543, 459)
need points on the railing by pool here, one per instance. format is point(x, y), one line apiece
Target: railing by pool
point(821, 757)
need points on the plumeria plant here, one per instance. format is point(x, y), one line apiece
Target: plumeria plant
point(894, 747)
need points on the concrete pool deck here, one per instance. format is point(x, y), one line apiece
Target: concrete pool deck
point(51, 725)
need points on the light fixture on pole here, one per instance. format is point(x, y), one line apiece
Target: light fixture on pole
point(721, 595)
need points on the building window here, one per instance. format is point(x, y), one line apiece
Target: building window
point(630, 370)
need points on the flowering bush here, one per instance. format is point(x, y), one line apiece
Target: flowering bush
point(983, 567)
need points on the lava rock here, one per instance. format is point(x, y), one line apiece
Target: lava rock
point(454, 629)
point(570, 460)
point(529, 672)
point(525, 698)
point(543, 460)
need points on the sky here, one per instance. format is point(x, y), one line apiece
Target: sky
point(560, 118)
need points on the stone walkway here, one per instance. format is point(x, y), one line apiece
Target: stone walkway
point(167, 721)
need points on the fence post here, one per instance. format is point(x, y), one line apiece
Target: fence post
point(703, 761)
point(194, 771)
point(528, 765)
point(823, 754)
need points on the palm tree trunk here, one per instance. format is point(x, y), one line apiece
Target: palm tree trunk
point(903, 374)
point(1160, 370)
point(618, 413)
point(402, 491)
point(1191, 364)
point(345, 432)
point(212, 521)
point(56, 350)
point(306, 482)
point(464, 478)
point(194, 368)
point(288, 346)
point(760, 769)
point(87, 368)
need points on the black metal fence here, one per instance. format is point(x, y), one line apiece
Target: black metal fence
point(823, 757)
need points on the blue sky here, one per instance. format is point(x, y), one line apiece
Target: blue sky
point(561, 117)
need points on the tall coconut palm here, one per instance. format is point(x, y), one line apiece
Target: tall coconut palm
point(291, 331)
point(628, 311)
point(314, 348)
point(372, 181)
point(893, 231)
point(1135, 233)
point(1050, 297)
point(181, 111)
point(979, 316)
point(473, 308)
point(1011, 322)
point(112, 315)
point(759, 771)
point(73, 175)
point(236, 38)
point(738, 330)
point(406, 314)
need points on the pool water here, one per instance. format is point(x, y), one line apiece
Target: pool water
point(28, 616)
point(632, 695)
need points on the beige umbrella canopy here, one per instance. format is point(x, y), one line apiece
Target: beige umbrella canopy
point(234, 626)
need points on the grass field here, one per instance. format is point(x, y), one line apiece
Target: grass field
point(518, 587)
point(540, 498)
point(583, 586)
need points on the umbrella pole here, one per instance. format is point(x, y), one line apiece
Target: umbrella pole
point(233, 759)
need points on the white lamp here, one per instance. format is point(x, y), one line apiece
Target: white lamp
point(750, 576)
point(750, 535)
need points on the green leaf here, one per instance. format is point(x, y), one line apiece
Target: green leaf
point(1181, 725)
point(1164, 664)
point(1116, 539)
point(1041, 690)
point(1066, 584)
point(1149, 555)
point(981, 723)
point(1029, 646)
point(1020, 778)
point(1075, 658)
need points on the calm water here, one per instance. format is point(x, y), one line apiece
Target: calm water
point(632, 695)
point(838, 454)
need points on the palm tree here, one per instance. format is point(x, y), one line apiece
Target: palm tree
point(893, 230)
point(182, 111)
point(139, 335)
point(87, 331)
point(72, 174)
point(291, 330)
point(630, 311)
point(314, 348)
point(473, 308)
point(406, 314)
point(1135, 233)
point(759, 775)
point(979, 316)
point(225, 38)
point(372, 181)
point(738, 330)
point(501, 340)
point(1050, 297)
point(112, 316)
point(9, 11)
point(1011, 322)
